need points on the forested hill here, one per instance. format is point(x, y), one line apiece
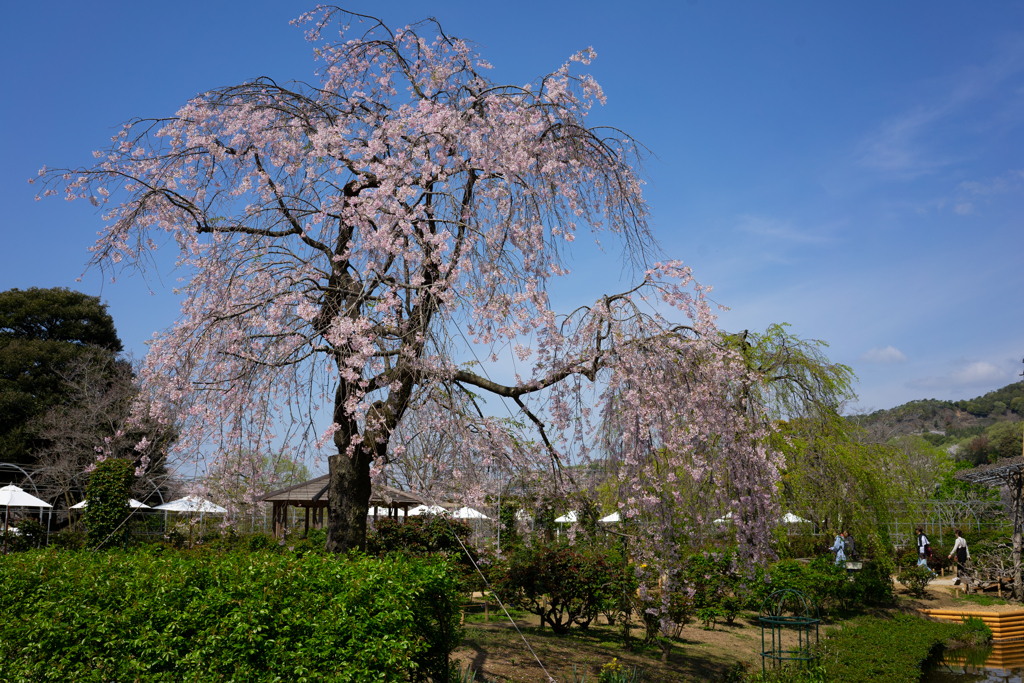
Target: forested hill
point(952, 418)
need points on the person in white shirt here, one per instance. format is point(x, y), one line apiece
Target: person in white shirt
point(923, 546)
point(961, 552)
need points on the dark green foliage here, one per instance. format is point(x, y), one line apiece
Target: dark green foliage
point(424, 535)
point(68, 539)
point(874, 650)
point(796, 546)
point(429, 535)
point(33, 533)
point(42, 333)
point(170, 616)
point(509, 524)
point(257, 542)
point(916, 579)
point(828, 586)
point(110, 485)
point(561, 583)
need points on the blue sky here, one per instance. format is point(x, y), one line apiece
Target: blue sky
point(854, 170)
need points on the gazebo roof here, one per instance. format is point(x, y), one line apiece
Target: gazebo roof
point(304, 493)
point(995, 474)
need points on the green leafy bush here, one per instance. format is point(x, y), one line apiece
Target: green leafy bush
point(561, 583)
point(68, 539)
point(876, 650)
point(173, 616)
point(916, 579)
point(108, 493)
point(427, 536)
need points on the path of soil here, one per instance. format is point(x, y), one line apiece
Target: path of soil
point(494, 649)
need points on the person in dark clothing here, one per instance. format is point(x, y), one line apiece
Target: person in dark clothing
point(962, 554)
point(851, 544)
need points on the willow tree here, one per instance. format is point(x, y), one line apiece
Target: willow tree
point(338, 239)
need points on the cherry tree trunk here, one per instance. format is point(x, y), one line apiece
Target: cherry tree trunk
point(1016, 480)
point(348, 501)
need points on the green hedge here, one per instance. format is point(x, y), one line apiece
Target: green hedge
point(877, 650)
point(172, 616)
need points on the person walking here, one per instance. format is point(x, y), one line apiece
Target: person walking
point(838, 548)
point(924, 549)
point(851, 545)
point(962, 555)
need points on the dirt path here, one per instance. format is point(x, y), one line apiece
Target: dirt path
point(497, 651)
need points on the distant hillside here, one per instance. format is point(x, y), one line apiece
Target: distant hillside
point(956, 419)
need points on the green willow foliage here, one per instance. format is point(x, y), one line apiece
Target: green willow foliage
point(108, 494)
point(225, 617)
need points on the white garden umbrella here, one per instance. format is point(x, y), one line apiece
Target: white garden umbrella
point(790, 518)
point(468, 513)
point(191, 504)
point(611, 519)
point(131, 502)
point(427, 510)
point(384, 512)
point(13, 496)
point(568, 518)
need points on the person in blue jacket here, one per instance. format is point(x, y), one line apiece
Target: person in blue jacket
point(838, 549)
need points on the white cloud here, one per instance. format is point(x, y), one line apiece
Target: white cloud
point(890, 354)
point(978, 373)
point(782, 231)
point(1008, 182)
point(964, 208)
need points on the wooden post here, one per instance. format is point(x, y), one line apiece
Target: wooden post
point(305, 533)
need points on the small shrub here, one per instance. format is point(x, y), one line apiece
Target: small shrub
point(258, 542)
point(916, 580)
point(560, 583)
point(68, 539)
point(709, 617)
point(33, 532)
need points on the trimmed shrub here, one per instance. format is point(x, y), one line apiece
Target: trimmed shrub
point(916, 579)
point(171, 616)
point(561, 583)
point(108, 493)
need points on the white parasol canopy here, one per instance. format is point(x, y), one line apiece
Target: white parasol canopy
point(468, 513)
point(569, 518)
point(790, 518)
point(427, 510)
point(384, 512)
point(131, 502)
point(191, 504)
point(14, 497)
point(612, 518)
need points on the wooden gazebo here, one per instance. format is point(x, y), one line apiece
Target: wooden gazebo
point(312, 495)
point(1007, 472)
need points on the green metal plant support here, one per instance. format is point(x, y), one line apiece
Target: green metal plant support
point(791, 621)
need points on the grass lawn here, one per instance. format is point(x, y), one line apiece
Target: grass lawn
point(495, 650)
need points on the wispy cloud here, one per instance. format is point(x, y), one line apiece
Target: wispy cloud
point(1011, 181)
point(889, 354)
point(782, 231)
point(907, 145)
point(974, 374)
